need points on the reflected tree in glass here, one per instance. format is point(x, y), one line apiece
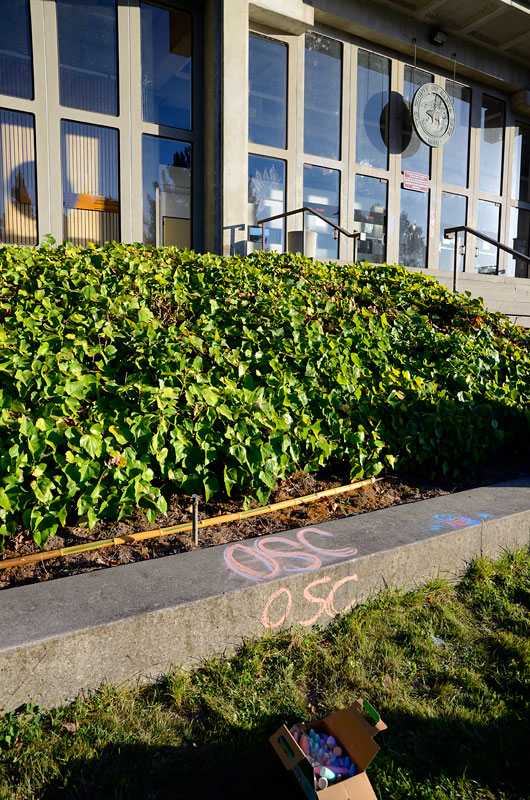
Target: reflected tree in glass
point(413, 228)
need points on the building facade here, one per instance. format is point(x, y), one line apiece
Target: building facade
point(186, 122)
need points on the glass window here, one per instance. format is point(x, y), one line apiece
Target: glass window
point(454, 213)
point(267, 99)
point(266, 190)
point(491, 145)
point(16, 71)
point(456, 151)
point(88, 55)
point(488, 219)
point(18, 196)
point(322, 192)
point(373, 94)
point(413, 228)
point(166, 66)
point(166, 170)
point(519, 240)
point(416, 155)
point(91, 201)
point(322, 96)
point(370, 217)
point(521, 163)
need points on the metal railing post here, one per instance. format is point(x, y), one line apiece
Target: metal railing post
point(355, 248)
point(455, 264)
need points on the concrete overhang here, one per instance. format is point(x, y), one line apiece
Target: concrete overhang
point(284, 16)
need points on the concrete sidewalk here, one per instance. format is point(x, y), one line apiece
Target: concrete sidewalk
point(132, 623)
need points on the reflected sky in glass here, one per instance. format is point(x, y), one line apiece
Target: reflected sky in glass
point(491, 145)
point(166, 66)
point(416, 155)
point(373, 93)
point(16, 70)
point(267, 100)
point(488, 219)
point(88, 55)
point(455, 153)
point(322, 96)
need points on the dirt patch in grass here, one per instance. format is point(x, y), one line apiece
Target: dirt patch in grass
point(388, 491)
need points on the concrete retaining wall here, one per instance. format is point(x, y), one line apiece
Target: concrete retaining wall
point(132, 623)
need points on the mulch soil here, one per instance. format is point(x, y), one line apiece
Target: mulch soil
point(388, 491)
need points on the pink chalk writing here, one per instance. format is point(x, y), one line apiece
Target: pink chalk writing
point(279, 606)
point(273, 556)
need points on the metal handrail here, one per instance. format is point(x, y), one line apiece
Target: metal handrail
point(448, 234)
point(356, 236)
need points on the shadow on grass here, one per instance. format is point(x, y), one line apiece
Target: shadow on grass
point(416, 754)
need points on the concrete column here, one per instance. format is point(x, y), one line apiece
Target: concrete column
point(234, 129)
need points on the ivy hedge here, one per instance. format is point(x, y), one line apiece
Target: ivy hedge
point(128, 371)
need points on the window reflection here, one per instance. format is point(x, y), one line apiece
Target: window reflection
point(413, 228)
point(488, 219)
point(166, 170)
point(456, 151)
point(519, 240)
point(91, 201)
point(88, 55)
point(373, 92)
point(454, 213)
point(16, 71)
point(18, 201)
point(322, 96)
point(416, 155)
point(370, 217)
point(491, 145)
point(267, 101)
point(266, 191)
point(166, 66)
point(321, 192)
point(521, 163)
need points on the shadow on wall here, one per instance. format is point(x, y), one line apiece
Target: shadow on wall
point(241, 763)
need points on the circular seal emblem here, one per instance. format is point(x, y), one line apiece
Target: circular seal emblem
point(433, 114)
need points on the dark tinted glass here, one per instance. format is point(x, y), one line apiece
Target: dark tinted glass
point(88, 55)
point(370, 217)
point(373, 91)
point(488, 219)
point(166, 170)
point(454, 213)
point(322, 192)
point(521, 163)
point(166, 66)
point(322, 96)
point(267, 100)
point(416, 155)
point(91, 180)
point(413, 228)
point(266, 191)
point(16, 71)
point(18, 194)
point(456, 151)
point(520, 241)
point(491, 145)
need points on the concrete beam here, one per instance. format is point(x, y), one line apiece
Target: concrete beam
point(284, 16)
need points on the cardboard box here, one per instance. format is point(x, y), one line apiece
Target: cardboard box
point(355, 734)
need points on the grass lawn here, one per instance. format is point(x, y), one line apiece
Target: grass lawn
point(447, 667)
